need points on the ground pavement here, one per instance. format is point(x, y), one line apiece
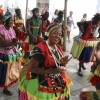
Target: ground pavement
point(79, 83)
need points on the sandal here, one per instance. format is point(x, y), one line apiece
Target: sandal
point(7, 92)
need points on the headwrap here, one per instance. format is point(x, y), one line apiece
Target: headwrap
point(35, 9)
point(60, 12)
point(1, 11)
point(17, 9)
point(6, 16)
point(51, 28)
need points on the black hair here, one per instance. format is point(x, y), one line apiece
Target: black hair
point(84, 15)
point(56, 11)
point(96, 16)
point(17, 10)
point(98, 46)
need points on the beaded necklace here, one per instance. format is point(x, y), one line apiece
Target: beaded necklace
point(57, 61)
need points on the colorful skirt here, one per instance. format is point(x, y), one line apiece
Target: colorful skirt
point(31, 89)
point(84, 50)
point(10, 67)
point(94, 79)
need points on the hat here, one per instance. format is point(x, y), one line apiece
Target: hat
point(7, 16)
point(51, 28)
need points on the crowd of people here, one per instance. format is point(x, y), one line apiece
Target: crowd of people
point(38, 47)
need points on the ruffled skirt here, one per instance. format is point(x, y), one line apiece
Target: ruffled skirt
point(83, 50)
point(10, 67)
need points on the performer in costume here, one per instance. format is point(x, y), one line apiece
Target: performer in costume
point(94, 79)
point(33, 30)
point(84, 46)
point(59, 20)
point(1, 17)
point(10, 57)
point(45, 22)
point(19, 24)
point(44, 77)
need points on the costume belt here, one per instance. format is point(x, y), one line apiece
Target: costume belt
point(35, 27)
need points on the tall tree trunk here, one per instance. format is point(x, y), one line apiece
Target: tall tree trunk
point(26, 10)
point(65, 23)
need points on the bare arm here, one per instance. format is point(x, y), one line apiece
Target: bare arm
point(4, 43)
point(28, 30)
point(35, 69)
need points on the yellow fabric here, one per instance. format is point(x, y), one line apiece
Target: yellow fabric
point(89, 95)
point(98, 93)
point(34, 27)
point(87, 43)
point(91, 75)
point(17, 21)
point(13, 71)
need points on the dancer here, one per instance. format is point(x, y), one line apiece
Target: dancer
point(94, 79)
point(10, 57)
point(33, 30)
point(46, 77)
point(84, 46)
point(19, 24)
point(45, 22)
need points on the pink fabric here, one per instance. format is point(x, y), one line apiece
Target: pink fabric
point(23, 96)
point(8, 35)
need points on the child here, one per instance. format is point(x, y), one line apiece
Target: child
point(94, 79)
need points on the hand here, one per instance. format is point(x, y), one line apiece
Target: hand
point(59, 70)
point(20, 43)
point(14, 40)
point(34, 39)
point(65, 60)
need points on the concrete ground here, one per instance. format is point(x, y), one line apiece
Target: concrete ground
point(79, 83)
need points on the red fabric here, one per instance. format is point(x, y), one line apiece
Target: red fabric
point(39, 39)
point(1, 11)
point(42, 89)
point(26, 47)
point(18, 24)
point(94, 81)
point(44, 25)
point(49, 61)
point(28, 74)
point(88, 31)
point(21, 36)
point(6, 87)
point(83, 96)
point(49, 81)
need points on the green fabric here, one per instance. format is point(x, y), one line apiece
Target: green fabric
point(76, 49)
point(95, 96)
point(31, 86)
point(60, 20)
point(6, 17)
point(13, 57)
point(35, 22)
point(26, 55)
